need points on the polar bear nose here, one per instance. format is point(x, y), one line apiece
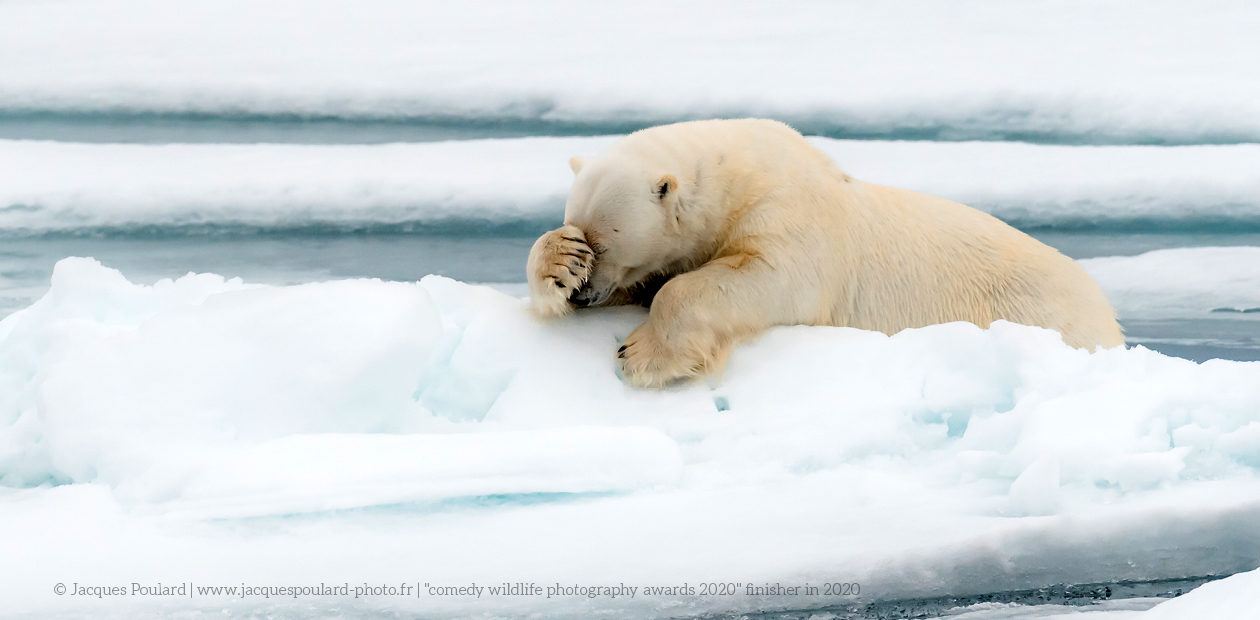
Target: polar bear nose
point(584, 296)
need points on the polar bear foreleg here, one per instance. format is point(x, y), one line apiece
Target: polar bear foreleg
point(695, 320)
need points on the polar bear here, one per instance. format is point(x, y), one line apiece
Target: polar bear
point(726, 228)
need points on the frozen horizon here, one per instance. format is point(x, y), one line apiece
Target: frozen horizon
point(1135, 72)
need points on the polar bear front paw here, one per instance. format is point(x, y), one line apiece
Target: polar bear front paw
point(648, 361)
point(559, 264)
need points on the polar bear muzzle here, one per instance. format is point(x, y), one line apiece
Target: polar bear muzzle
point(588, 296)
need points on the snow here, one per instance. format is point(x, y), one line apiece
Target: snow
point(1135, 71)
point(67, 186)
point(522, 183)
point(1236, 596)
point(1180, 282)
point(218, 432)
point(1128, 609)
point(1081, 187)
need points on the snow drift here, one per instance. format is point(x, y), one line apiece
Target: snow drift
point(209, 430)
point(519, 185)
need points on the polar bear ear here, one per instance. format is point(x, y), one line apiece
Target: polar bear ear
point(666, 186)
point(667, 194)
point(576, 163)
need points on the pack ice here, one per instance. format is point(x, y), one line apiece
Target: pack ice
point(1136, 71)
point(57, 187)
point(214, 431)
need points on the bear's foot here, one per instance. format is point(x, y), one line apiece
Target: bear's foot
point(648, 360)
point(559, 264)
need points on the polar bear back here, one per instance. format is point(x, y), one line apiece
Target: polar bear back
point(930, 260)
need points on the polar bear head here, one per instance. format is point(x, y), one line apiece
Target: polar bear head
point(632, 216)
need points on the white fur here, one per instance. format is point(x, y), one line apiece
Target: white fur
point(757, 228)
